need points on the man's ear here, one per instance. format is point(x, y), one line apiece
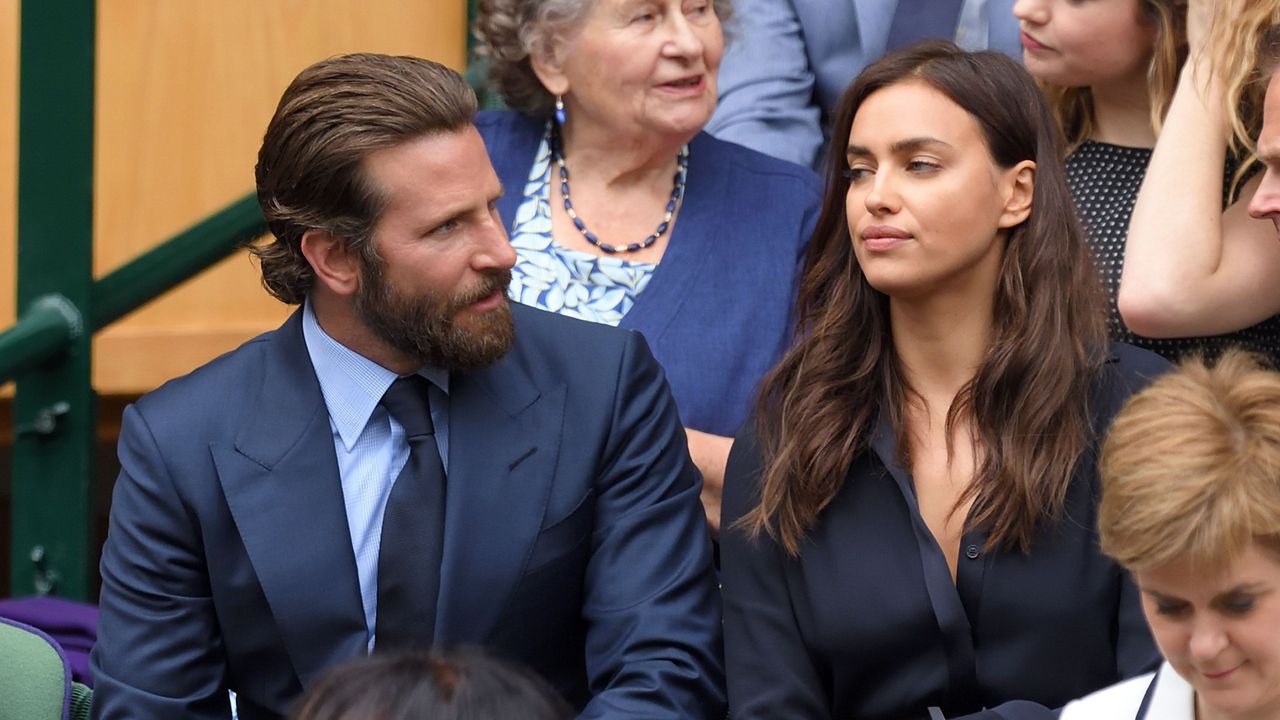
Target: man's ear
point(1018, 185)
point(336, 267)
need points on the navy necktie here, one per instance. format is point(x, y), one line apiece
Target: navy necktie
point(412, 527)
point(916, 20)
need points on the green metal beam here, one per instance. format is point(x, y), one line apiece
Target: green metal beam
point(168, 265)
point(44, 331)
point(54, 405)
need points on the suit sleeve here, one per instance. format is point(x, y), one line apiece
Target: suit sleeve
point(771, 673)
point(766, 85)
point(159, 652)
point(654, 638)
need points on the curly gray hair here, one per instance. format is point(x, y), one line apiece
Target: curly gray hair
point(512, 31)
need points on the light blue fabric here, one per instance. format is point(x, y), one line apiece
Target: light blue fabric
point(369, 443)
point(789, 62)
point(562, 280)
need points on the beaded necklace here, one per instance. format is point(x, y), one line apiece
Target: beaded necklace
point(677, 193)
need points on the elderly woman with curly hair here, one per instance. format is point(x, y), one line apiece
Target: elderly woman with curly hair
point(622, 211)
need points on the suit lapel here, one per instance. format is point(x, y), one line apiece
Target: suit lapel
point(281, 482)
point(504, 438)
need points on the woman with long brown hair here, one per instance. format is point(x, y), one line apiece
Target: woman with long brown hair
point(910, 523)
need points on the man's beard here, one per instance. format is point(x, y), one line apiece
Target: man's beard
point(424, 326)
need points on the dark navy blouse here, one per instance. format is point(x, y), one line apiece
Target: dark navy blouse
point(866, 623)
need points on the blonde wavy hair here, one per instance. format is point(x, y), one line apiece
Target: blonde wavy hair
point(1240, 50)
point(1073, 106)
point(1191, 467)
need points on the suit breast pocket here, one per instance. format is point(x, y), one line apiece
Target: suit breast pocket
point(561, 537)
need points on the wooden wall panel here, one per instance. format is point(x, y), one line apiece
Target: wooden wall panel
point(8, 157)
point(185, 89)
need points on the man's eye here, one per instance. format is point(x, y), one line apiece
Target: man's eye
point(445, 227)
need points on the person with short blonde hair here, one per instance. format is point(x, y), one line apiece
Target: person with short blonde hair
point(1191, 506)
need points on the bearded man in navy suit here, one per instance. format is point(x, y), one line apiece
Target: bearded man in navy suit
point(408, 461)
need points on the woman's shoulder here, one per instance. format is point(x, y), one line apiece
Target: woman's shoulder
point(507, 126)
point(748, 162)
point(1118, 702)
point(1128, 369)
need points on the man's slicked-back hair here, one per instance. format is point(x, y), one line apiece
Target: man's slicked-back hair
point(330, 118)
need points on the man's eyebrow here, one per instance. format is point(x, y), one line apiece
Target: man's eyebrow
point(900, 146)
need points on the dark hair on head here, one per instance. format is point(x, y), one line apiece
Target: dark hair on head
point(1027, 404)
point(463, 684)
point(332, 116)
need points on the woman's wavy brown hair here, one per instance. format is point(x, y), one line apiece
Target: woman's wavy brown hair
point(1028, 403)
point(1073, 106)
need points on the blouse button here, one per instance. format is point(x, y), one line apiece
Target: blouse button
point(972, 552)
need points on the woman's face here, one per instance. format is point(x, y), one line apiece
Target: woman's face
point(1078, 43)
point(1221, 631)
point(926, 201)
point(640, 66)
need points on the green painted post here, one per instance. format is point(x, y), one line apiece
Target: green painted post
point(54, 409)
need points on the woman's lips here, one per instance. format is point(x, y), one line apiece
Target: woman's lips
point(1032, 44)
point(693, 85)
point(883, 237)
point(1220, 676)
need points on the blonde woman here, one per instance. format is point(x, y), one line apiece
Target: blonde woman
point(1191, 505)
point(1192, 268)
point(1118, 75)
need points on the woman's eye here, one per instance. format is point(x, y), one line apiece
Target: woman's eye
point(855, 174)
point(1171, 609)
point(1237, 606)
point(699, 10)
point(643, 17)
point(920, 166)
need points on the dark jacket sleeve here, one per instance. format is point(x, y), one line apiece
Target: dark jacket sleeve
point(159, 652)
point(654, 639)
point(771, 674)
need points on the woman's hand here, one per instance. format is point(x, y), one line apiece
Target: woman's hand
point(1199, 19)
point(710, 453)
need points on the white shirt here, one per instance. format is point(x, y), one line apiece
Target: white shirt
point(1172, 699)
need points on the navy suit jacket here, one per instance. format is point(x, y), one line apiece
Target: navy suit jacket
point(789, 61)
point(574, 539)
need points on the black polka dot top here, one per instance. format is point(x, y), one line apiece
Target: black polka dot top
point(1104, 181)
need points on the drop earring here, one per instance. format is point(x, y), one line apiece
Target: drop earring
point(560, 116)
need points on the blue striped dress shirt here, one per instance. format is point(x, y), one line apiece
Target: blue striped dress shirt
point(369, 443)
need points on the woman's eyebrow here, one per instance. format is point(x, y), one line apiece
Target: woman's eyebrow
point(899, 146)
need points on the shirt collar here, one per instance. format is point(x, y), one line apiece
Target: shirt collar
point(351, 383)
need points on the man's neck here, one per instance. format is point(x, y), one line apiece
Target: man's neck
point(337, 318)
